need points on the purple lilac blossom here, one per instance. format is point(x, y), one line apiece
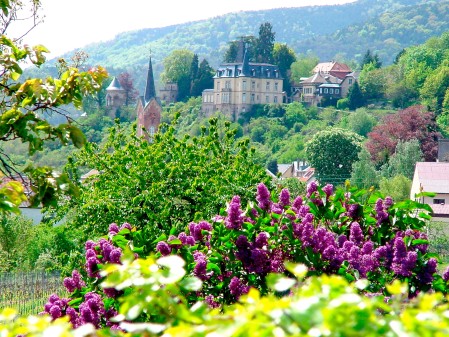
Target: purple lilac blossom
point(125, 225)
point(284, 198)
point(163, 248)
point(353, 210)
point(237, 288)
point(263, 197)
point(74, 282)
point(234, 219)
point(297, 203)
point(311, 189)
point(210, 300)
point(356, 234)
point(113, 229)
point(328, 189)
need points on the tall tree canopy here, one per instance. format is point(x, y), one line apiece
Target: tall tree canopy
point(332, 152)
point(177, 67)
point(265, 43)
point(283, 57)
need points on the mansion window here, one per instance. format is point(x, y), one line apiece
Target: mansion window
point(275, 99)
point(325, 90)
point(276, 86)
point(350, 81)
point(252, 98)
point(268, 73)
point(337, 91)
point(244, 85)
point(267, 87)
point(267, 99)
point(277, 74)
point(253, 85)
point(218, 85)
point(228, 84)
point(244, 98)
point(331, 91)
point(439, 201)
point(225, 97)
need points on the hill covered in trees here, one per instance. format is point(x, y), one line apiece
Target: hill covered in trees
point(347, 31)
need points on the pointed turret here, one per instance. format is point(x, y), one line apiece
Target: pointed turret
point(245, 65)
point(150, 90)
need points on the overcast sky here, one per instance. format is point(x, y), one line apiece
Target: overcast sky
point(71, 24)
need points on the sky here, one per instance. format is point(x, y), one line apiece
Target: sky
point(68, 25)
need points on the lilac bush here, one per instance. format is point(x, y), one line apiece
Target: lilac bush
point(356, 234)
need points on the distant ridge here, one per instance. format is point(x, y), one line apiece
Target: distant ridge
point(332, 31)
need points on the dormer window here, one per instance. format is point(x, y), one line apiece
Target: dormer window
point(268, 72)
point(253, 72)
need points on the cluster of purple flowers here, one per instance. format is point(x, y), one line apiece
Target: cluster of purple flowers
point(115, 229)
point(100, 253)
point(56, 306)
point(197, 233)
point(237, 288)
point(90, 311)
point(74, 282)
point(234, 219)
point(200, 269)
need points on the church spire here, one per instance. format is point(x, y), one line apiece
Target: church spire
point(150, 91)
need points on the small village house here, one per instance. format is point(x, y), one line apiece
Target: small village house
point(433, 177)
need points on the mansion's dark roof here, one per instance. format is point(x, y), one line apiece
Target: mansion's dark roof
point(256, 70)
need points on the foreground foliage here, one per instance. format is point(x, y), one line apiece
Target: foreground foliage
point(316, 306)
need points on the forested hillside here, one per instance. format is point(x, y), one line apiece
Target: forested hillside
point(307, 29)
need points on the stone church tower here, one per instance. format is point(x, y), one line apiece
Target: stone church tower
point(148, 109)
point(115, 97)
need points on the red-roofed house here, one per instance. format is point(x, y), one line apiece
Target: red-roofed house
point(433, 177)
point(333, 68)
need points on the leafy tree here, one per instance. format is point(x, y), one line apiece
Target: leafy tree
point(294, 113)
point(177, 67)
point(265, 43)
point(273, 166)
point(403, 161)
point(204, 79)
point(303, 67)
point(355, 97)
point(360, 122)
point(372, 81)
point(230, 54)
point(411, 123)
point(364, 174)
point(236, 49)
point(435, 88)
point(370, 58)
point(283, 57)
point(127, 84)
point(194, 67)
point(332, 152)
point(161, 185)
point(24, 101)
point(397, 187)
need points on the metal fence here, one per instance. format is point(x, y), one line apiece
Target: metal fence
point(28, 292)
